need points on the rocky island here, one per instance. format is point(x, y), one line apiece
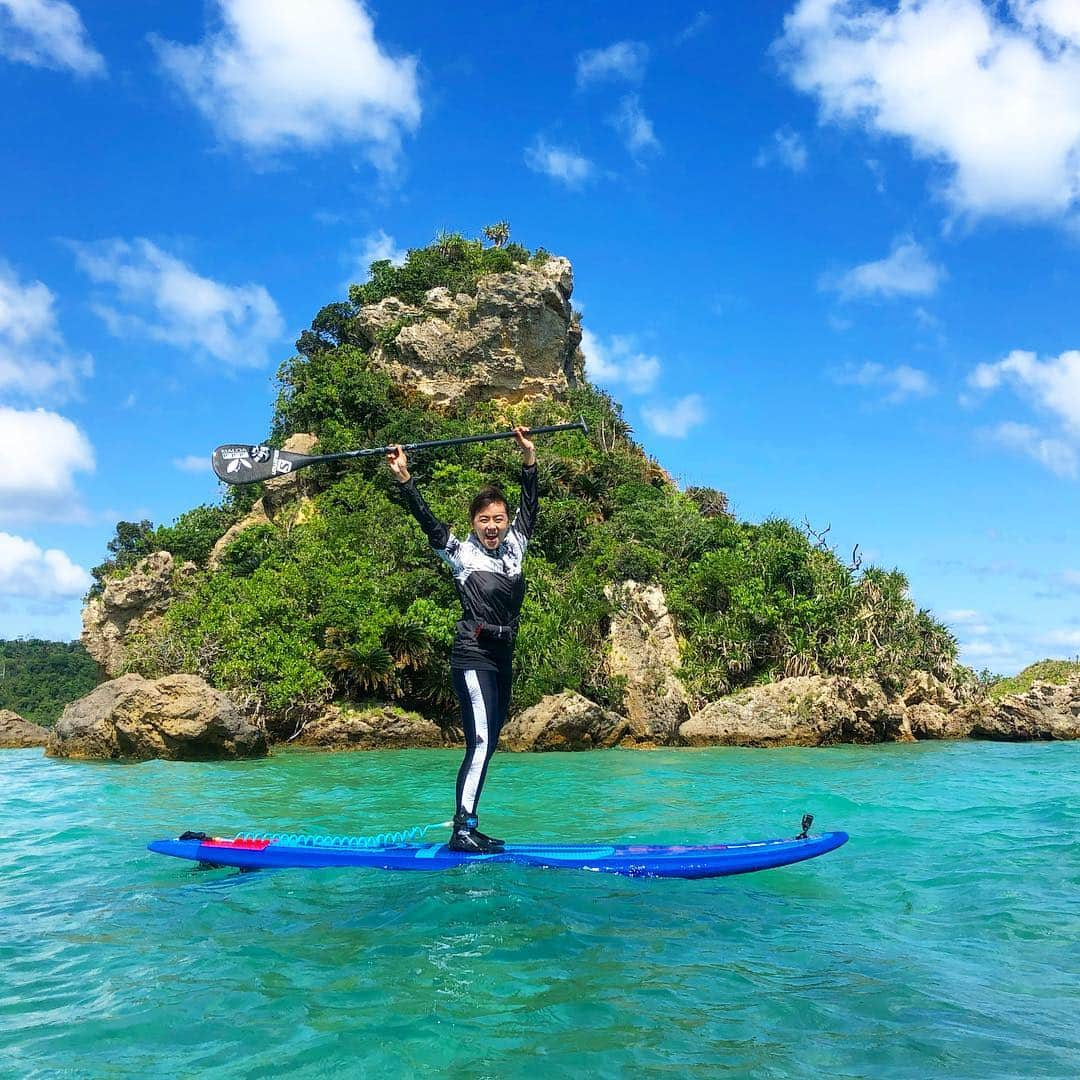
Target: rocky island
point(307, 609)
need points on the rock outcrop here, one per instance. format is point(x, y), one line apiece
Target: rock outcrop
point(286, 499)
point(381, 728)
point(518, 338)
point(643, 650)
point(931, 708)
point(811, 710)
point(928, 721)
point(130, 605)
point(922, 688)
point(18, 734)
point(1046, 711)
point(255, 516)
point(180, 717)
point(817, 710)
point(569, 721)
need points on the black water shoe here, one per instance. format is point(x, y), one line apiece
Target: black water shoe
point(473, 843)
point(466, 837)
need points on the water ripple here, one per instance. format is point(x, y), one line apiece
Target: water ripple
point(941, 941)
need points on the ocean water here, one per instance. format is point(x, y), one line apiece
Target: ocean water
point(942, 941)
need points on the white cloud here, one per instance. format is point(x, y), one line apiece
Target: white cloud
point(619, 361)
point(634, 127)
point(1055, 454)
point(195, 463)
point(39, 455)
point(991, 642)
point(47, 33)
point(26, 311)
point(878, 173)
point(962, 615)
point(26, 570)
point(1004, 654)
point(236, 324)
point(905, 271)
point(1059, 19)
point(1054, 384)
point(926, 319)
point(1068, 638)
point(280, 75)
point(898, 383)
point(373, 248)
point(34, 360)
point(787, 148)
point(622, 62)
point(677, 418)
point(558, 162)
point(994, 99)
point(693, 28)
point(970, 622)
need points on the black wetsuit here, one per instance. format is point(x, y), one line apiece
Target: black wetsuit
point(491, 588)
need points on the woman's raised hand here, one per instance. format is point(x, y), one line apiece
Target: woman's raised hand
point(528, 451)
point(399, 464)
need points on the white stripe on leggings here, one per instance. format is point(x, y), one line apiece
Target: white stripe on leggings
point(480, 725)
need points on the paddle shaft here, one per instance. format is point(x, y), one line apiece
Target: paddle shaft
point(578, 425)
point(238, 463)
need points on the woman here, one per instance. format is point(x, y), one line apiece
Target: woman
point(489, 582)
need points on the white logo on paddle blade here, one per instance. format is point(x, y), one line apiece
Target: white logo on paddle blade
point(282, 465)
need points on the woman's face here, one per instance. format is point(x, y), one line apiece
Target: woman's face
point(491, 524)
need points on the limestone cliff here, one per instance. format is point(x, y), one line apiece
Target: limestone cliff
point(1046, 711)
point(130, 605)
point(818, 711)
point(517, 339)
point(643, 652)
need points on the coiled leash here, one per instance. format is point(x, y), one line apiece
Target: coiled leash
point(379, 840)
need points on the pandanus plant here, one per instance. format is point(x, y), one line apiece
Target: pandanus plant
point(356, 668)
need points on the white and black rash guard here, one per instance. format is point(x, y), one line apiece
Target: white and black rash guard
point(489, 584)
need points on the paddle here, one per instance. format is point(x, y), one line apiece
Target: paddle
point(240, 464)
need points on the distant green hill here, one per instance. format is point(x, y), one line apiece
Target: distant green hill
point(1058, 672)
point(349, 602)
point(38, 678)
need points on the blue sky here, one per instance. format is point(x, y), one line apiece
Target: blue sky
point(826, 251)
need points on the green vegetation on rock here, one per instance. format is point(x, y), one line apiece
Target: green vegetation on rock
point(38, 678)
point(1057, 672)
point(350, 603)
point(452, 262)
point(189, 538)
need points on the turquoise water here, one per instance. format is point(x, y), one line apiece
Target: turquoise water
point(941, 941)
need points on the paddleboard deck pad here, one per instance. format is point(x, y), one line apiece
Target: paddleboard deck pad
point(630, 860)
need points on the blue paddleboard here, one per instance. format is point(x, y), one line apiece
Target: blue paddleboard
point(631, 860)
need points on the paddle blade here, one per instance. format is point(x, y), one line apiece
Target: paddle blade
point(239, 464)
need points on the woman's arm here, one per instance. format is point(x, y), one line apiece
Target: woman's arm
point(529, 506)
point(437, 532)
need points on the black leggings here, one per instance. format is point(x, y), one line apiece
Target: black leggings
point(485, 699)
